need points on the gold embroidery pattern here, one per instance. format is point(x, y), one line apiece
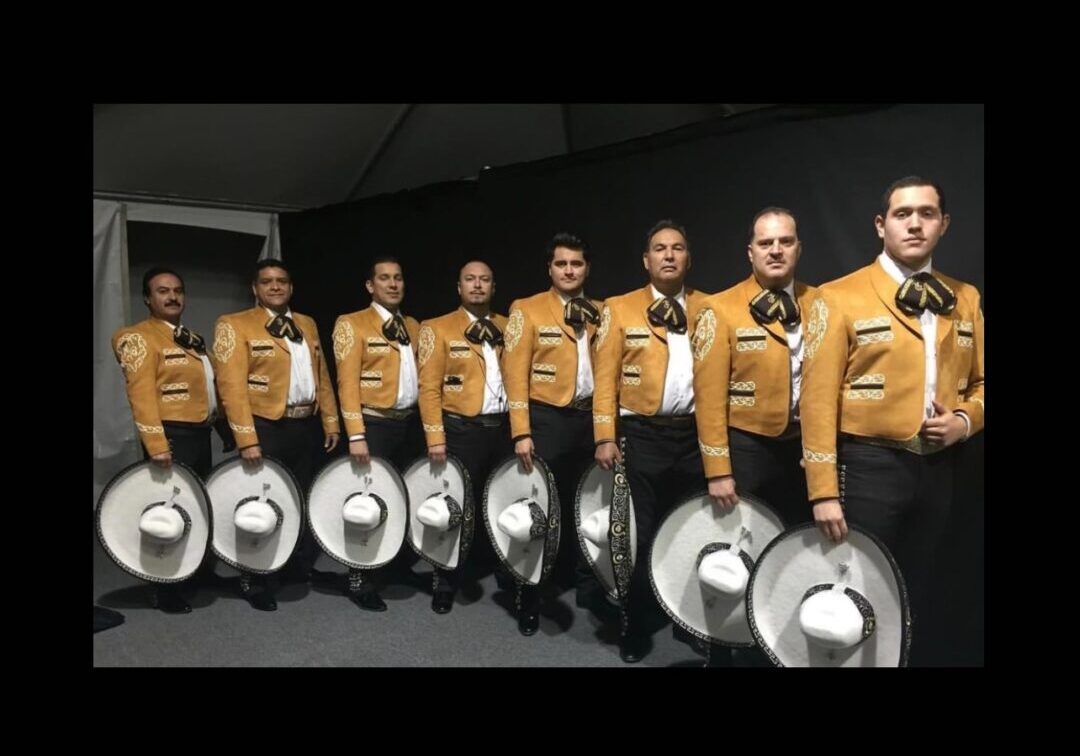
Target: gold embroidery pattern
point(257, 347)
point(874, 380)
point(542, 377)
point(514, 326)
point(878, 337)
point(175, 356)
point(965, 331)
point(601, 418)
point(433, 428)
point(150, 428)
point(458, 387)
point(962, 384)
point(463, 352)
point(757, 345)
point(259, 383)
point(605, 326)
point(184, 397)
point(881, 337)
point(816, 325)
point(242, 428)
point(742, 401)
point(371, 378)
point(377, 345)
point(634, 377)
point(131, 348)
point(704, 334)
point(353, 415)
point(343, 339)
point(714, 451)
point(426, 345)
point(818, 457)
point(519, 405)
point(224, 341)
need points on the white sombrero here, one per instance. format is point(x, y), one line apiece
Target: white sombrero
point(596, 492)
point(155, 522)
point(359, 513)
point(440, 511)
point(700, 565)
point(814, 603)
point(258, 514)
point(521, 513)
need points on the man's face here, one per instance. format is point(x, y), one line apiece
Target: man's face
point(568, 270)
point(387, 286)
point(273, 288)
point(774, 250)
point(476, 284)
point(668, 258)
point(166, 299)
point(913, 226)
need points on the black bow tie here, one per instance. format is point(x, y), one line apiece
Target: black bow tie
point(483, 330)
point(395, 330)
point(666, 312)
point(283, 327)
point(188, 339)
point(924, 292)
point(770, 305)
point(579, 311)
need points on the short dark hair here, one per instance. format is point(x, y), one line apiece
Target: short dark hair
point(660, 226)
point(153, 273)
point(904, 183)
point(379, 261)
point(569, 241)
point(770, 210)
point(269, 262)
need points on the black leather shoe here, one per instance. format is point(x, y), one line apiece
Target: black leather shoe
point(169, 600)
point(260, 598)
point(634, 648)
point(528, 623)
point(368, 600)
point(442, 602)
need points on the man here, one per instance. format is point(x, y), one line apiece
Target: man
point(275, 387)
point(170, 386)
point(749, 347)
point(549, 385)
point(894, 380)
point(462, 399)
point(378, 387)
point(643, 369)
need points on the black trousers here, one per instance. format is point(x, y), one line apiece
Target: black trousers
point(296, 443)
point(905, 500)
point(663, 465)
point(479, 443)
point(400, 442)
point(563, 438)
point(768, 469)
point(189, 444)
